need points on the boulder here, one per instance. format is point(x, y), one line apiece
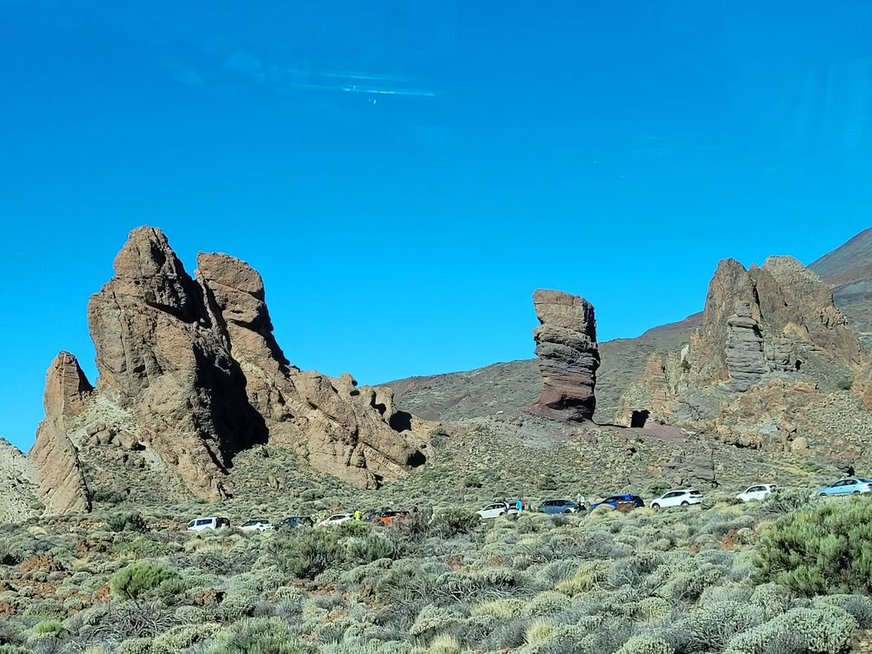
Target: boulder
point(567, 354)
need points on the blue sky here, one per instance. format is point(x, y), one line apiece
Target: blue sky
point(404, 175)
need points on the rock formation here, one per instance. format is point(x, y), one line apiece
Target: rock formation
point(349, 431)
point(771, 342)
point(162, 354)
point(568, 356)
point(18, 495)
point(190, 375)
point(62, 485)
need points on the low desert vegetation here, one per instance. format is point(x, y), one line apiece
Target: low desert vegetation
point(784, 576)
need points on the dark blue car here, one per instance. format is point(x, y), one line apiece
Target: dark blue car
point(622, 502)
point(553, 507)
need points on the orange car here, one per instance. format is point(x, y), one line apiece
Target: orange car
point(392, 517)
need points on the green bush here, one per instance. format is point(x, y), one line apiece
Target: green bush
point(256, 636)
point(48, 627)
point(129, 521)
point(645, 644)
point(452, 522)
point(143, 578)
point(821, 550)
point(309, 553)
point(799, 631)
point(181, 637)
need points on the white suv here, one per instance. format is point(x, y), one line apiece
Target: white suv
point(199, 524)
point(259, 524)
point(495, 510)
point(756, 492)
point(336, 519)
point(679, 497)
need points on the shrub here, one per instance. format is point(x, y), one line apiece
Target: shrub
point(821, 550)
point(785, 500)
point(859, 606)
point(135, 646)
point(431, 621)
point(312, 552)
point(143, 578)
point(822, 630)
point(181, 637)
point(129, 521)
point(309, 555)
point(539, 631)
point(48, 627)
point(451, 522)
point(444, 644)
point(645, 644)
point(256, 636)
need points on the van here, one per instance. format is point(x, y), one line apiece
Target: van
point(199, 524)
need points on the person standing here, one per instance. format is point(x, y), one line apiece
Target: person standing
point(519, 505)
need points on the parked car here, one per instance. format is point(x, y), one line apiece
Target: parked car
point(336, 519)
point(553, 507)
point(199, 524)
point(257, 524)
point(297, 521)
point(624, 502)
point(495, 510)
point(390, 517)
point(756, 492)
point(846, 486)
point(679, 497)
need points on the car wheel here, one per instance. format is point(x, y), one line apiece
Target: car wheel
point(855, 493)
point(685, 503)
point(568, 511)
point(655, 506)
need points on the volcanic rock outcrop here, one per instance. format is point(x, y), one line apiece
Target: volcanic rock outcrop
point(568, 356)
point(768, 319)
point(162, 354)
point(346, 430)
point(769, 336)
point(18, 495)
point(190, 375)
point(62, 485)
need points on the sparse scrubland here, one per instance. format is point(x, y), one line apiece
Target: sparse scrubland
point(785, 576)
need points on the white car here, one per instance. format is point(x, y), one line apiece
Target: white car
point(258, 524)
point(678, 497)
point(495, 510)
point(756, 492)
point(212, 522)
point(336, 519)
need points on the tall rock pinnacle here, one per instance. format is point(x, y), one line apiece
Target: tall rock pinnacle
point(568, 356)
point(62, 485)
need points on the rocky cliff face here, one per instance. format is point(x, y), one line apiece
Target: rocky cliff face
point(568, 356)
point(189, 376)
point(769, 335)
point(18, 494)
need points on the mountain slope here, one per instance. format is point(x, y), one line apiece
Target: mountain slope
point(848, 269)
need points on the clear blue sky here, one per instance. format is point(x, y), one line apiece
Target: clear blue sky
point(405, 174)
